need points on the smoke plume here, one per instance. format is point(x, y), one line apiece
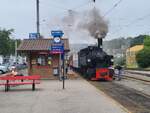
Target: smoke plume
point(81, 27)
point(70, 19)
point(95, 24)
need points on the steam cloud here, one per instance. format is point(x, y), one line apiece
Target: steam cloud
point(70, 19)
point(82, 26)
point(95, 24)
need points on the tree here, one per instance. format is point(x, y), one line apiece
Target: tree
point(12, 45)
point(147, 41)
point(7, 45)
point(5, 41)
point(143, 56)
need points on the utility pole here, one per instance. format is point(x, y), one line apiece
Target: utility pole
point(60, 65)
point(64, 72)
point(15, 50)
point(38, 18)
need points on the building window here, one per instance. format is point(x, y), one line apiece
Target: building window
point(49, 60)
point(41, 60)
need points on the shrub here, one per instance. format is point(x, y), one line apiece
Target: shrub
point(143, 57)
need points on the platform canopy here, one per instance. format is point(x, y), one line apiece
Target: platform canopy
point(28, 45)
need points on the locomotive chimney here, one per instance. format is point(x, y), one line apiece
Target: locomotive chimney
point(100, 43)
point(99, 38)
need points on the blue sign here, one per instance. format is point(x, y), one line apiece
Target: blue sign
point(57, 49)
point(33, 35)
point(57, 33)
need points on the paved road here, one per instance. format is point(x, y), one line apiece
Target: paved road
point(78, 97)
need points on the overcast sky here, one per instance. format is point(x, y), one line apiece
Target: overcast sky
point(129, 18)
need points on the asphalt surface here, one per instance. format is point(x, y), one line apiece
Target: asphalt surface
point(78, 97)
point(134, 100)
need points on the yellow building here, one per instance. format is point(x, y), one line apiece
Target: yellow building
point(131, 56)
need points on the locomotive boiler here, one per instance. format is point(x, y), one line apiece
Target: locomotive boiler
point(94, 63)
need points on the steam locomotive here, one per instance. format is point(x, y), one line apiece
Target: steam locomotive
point(94, 63)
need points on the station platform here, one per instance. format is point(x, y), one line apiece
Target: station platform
point(72, 75)
point(79, 96)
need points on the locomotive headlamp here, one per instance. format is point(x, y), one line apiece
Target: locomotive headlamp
point(89, 60)
point(112, 60)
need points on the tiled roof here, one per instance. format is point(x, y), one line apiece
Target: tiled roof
point(39, 44)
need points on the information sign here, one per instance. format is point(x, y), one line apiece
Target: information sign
point(57, 33)
point(33, 35)
point(57, 49)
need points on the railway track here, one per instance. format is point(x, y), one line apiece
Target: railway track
point(139, 77)
point(135, 101)
point(134, 78)
point(138, 72)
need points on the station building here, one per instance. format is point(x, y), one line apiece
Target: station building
point(131, 56)
point(39, 57)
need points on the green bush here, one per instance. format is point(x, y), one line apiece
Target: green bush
point(143, 57)
point(147, 41)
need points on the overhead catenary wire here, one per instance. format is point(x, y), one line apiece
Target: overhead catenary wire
point(130, 23)
point(111, 9)
point(133, 22)
point(55, 5)
point(81, 6)
point(86, 3)
point(66, 9)
point(69, 9)
point(74, 8)
point(138, 19)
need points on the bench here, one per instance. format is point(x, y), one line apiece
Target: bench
point(9, 81)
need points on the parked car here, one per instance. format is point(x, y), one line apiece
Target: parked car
point(17, 66)
point(21, 66)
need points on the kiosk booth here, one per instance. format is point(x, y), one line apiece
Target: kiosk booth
point(42, 60)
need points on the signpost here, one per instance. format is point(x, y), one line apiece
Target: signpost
point(33, 35)
point(57, 47)
point(57, 33)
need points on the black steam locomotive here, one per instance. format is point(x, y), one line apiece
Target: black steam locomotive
point(94, 63)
